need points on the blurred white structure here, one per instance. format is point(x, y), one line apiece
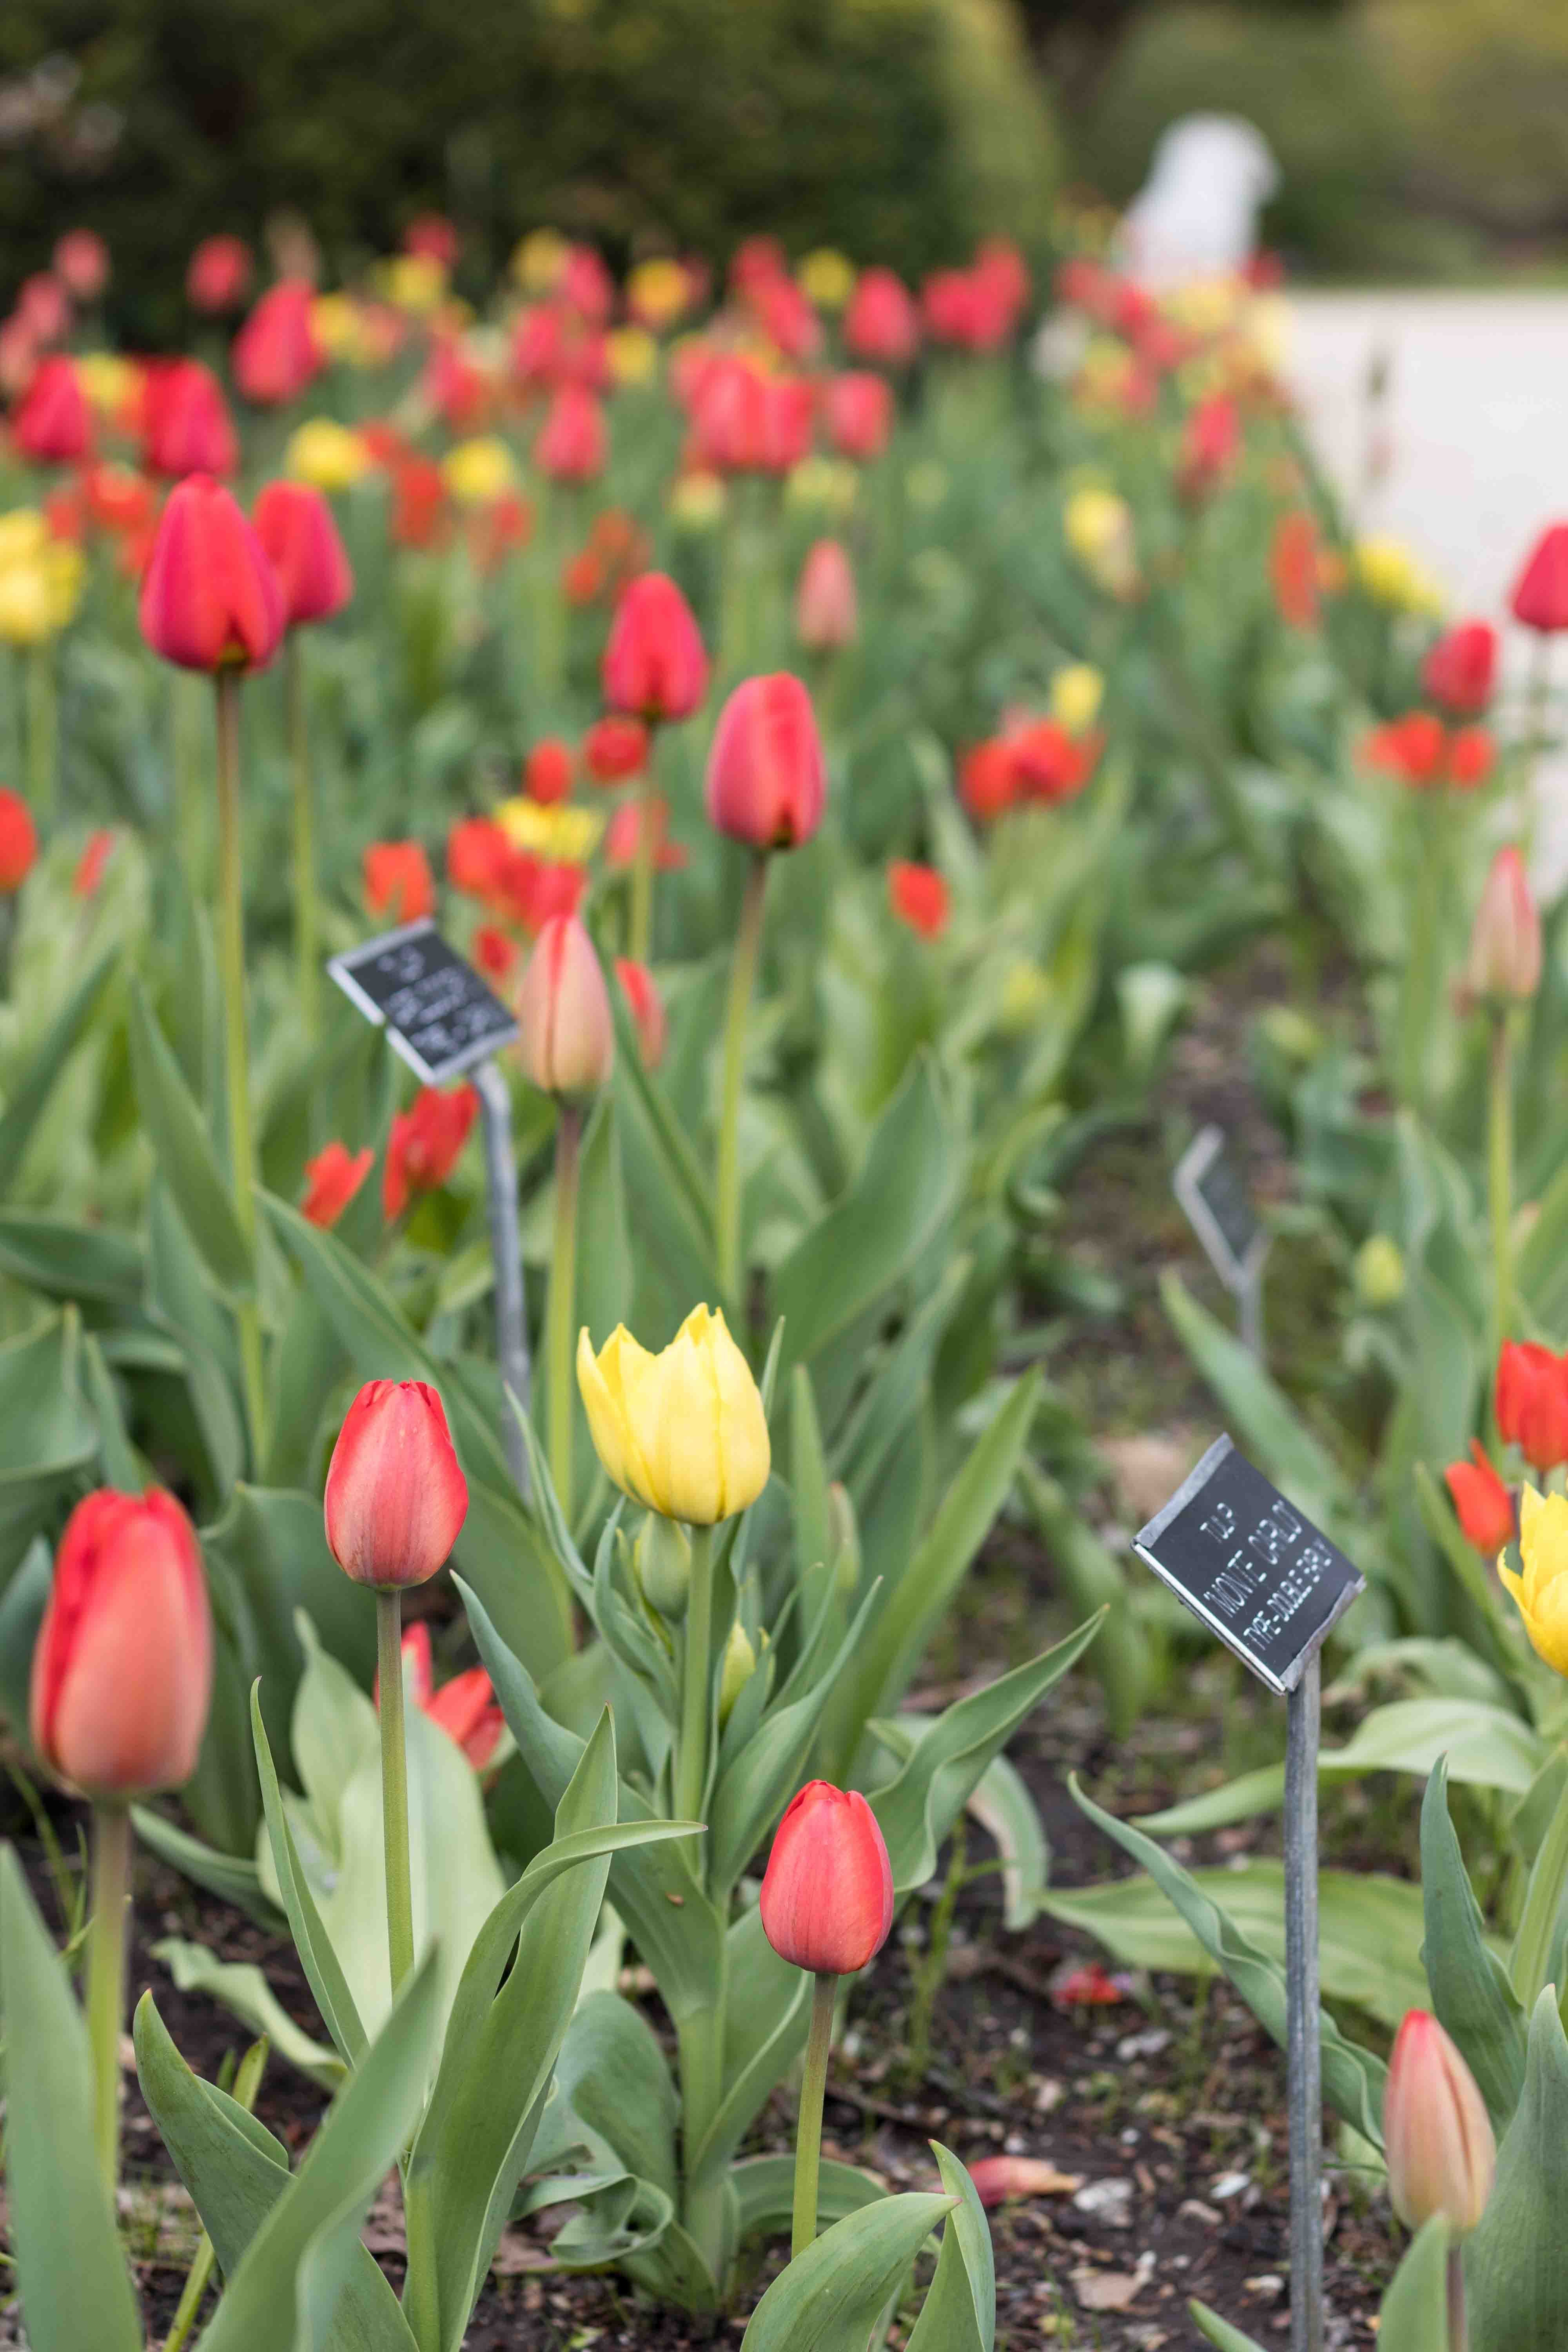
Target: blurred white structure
point(1196, 214)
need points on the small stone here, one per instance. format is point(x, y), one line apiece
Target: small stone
point(1193, 2209)
point(1268, 2284)
point(1109, 2201)
point(1226, 2184)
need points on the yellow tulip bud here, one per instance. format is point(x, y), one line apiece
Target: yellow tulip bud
point(540, 259)
point(1076, 693)
point(828, 279)
point(663, 1563)
point(26, 605)
point(740, 1665)
point(697, 502)
point(1379, 1272)
point(1098, 528)
point(326, 454)
point(414, 281)
point(683, 1432)
point(633, 355)
point(23, 534)
point(480, 470)
point(1542, 1592)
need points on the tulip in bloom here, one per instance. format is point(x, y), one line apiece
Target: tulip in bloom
point(683, 1432)
point(1503, 964)
point(1532, 1403)
point(1076, 693)
point(547, 771)
point(210, 599)
point(398, 881)
point(295, 525)
point(988, 780)
point(276, 353)
point(1460, 668)
point(615, 749)
point(1293, 569)
point(218, 274)
point(332, 1180)
point(1437, 2135)
point(479, 470)
point(425, 1144)
point(1414, 748)
point(828, 1893)
point(395, 1497)
point(767, 782)
point(882, 323)
point(648, 1016)
point(655, 667)
point(122, 1669)
point(18, 842)
point(1482, 1504)
point(1540, 599)
point(918, 895)
point(574, 441)
point(566, 1036)
point(1211, 444)
point(826, 614)
point(860, 414)
point(476, 851)
point(187, 423)
point(53, 425)
point(327, 454)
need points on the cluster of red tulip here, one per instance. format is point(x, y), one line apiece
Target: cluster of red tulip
point(1530, 1404)
point(1031, 760)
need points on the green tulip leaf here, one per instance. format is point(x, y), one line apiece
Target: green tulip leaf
point(831, 2295)
point(184, 1150)
point(959, 2314)
point(764, 2186)
point(317, 1957)
point(1516, 2264)
point(35, 1083)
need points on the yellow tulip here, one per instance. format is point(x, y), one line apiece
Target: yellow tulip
point(828, 279)
point(697, 502)
point(480, 470)
point(326, 454)
point(27, 605)
point(108, 381)
point(557, 830)
point(540, 259)
point(633, 356)
point(1391, 575)
point(1076, 693)
point(414, 281)
point(335, 323)
point(657, 291)
point(682, 1432)
point(24, 535)
point(1098, 528)
point(1542, 1592)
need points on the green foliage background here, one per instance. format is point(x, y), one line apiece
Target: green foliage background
point(899, 129)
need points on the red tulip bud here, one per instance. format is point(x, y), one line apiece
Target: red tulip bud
point(882, 323)
point(828, 1894)
point(53, 425)
point(1533, 1403)
point(188, 427)
point(397, 1497)
point(332, 1180)
point(615, 749)
point(655, 666)
point(210, 599)
point(218, 275)
point(81, 263)
point(859, 410)
point(1482, 1503)
point(1460, 668)
point(918, 895)
point(276, 353)
point(1504, 960)
point(122, 1670)
point(295, 525)
point(572, 444)
point(547, 771)
point(766, 781)
point(18, 842)
point(566, 1037)
point(826, 613)
point(648, 1016)
point(1437, 2135)
point(1540, 599)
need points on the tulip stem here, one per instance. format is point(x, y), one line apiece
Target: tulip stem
point(697, 1678)
point(1500, 1174)
point(42, 754)
point(808, 2128)
point(394, 1785)
point(727, 1187)
point(237, 1055)
point(246, 2083)
point(188, 813)
point(305, 925)
point(106, 1976)
point(639, 932)
point(1459, 2314)
point(563, 1300)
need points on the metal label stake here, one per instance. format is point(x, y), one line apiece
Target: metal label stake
point(442, 1019)
point(1272, 1587)
point(1213, 1191)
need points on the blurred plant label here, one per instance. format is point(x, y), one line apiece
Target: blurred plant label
point(439, 1014)
point(1252, 1566)
point(1211, 1190)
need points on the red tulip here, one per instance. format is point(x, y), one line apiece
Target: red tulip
point(882, 323)
point(44, 307)
point(425, 1145)
point(918, 895)
point(122, 1668)
point(648, 1016)
point(788, 319)
point(586, 285)
point(547, 771)
point(494, 952)
point(18, 842)
point(295, 525)
point(574, 442)
point(1460, 669)
point(210, 599)
point(826, 614)
point(653, 665)
point(566, 1036)
point(1437, 2135)
point(188, 427)
point(1293, 569)
point(91, 864)
point(988, 780)
point(789, 405)
point(332, 1180)
point(859, 415)
point(767, 783)
point(218, 275)
point(81, 263)
point(53, 425)
point(465, 1707)
point(828, 1893)
point(1503, 964)
point(419, 503)
point(398, 881)
point(276, 353)
point(1472, 755)
point(1211, 443)
point(1050, 764)
point(476, 851)
point(615, 749)
point(729, 416)
point(1533, 1403)
point(459, 392)
point(1540, 599)
point(1414, 748)
point(626, 829)
point(434, 239)
point(1482, 1504)
point(395, 1498)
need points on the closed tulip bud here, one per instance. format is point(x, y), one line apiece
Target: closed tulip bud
point(218, 274)
point(188, 427)
point(663, 1563)
point(1503, 964)
point(648, 1016)
point(828, 1894)
point(1460, 668)
point(682, 1433)
point(18, 842)
point(53, 425)
point(397, 1497)
point(1532, 1403)
point(276, 353)
point(918, 895)
point(547, 771)
point(859, 415)
point(655, 666)
point(1437, 2135)
point(883, 320)
point(1482, 1504)
point(1379, 1272)
point(1540, 599)
point(295, 525)
point(767, 782)
point(573, 442)
point(332, 1180)
point(81, 263)
point(566, 1033)
point(122, 1668)
point(1076, 693)
point(826, 614)
point(740, 1665)
point(210, 599)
